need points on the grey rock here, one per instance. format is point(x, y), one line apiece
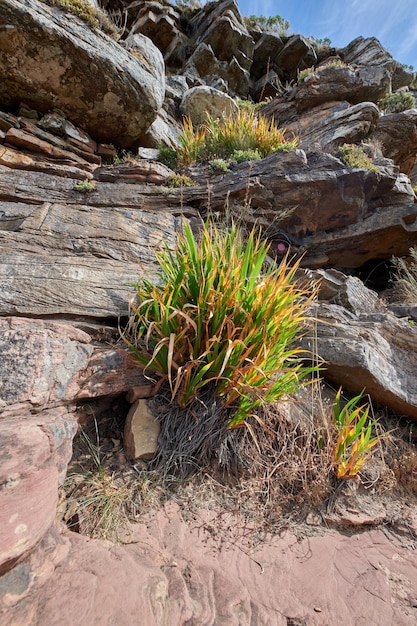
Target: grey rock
point(53, 59)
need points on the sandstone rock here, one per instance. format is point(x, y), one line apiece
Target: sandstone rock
point(199, 101)
point(22, 139)
point(70, 257)
point(375, 351)
point(158, 22)
point(297, 54)
point(267, 48)
point(204, 64)
point(25, 580)
point(134, 171)
point(367, 51)
point(329, 83)
point(164, 130)
point(401, 77)
point(40, 362)
point(54, 59)
point(140, 392)
point(347, 291)
point(328, 126)
point(110, 371)
point(141, 432)
point(223, 47)
point(397, 134)
point(221, 26)
point(16, 159)
point(32, 453)
point(57, 124)
point(175, 573)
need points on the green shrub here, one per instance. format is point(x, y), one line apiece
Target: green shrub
point(223, 137)
point(179, 180)
point(217, 166)
point(168, 156)
point(95, 18)
point(221, 317)
point(397, 102)
point(240, 156)
point(85, 186)
point(354, 157)
point(274, 23)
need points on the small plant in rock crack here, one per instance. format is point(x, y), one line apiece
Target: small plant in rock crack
point(221, 317)
point(354, 157)
point(354, 443)
point(397, 102)
point(223, 138)
point(85, 186)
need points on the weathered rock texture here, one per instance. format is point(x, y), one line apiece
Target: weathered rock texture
point(171, 573)
point(51, 58)
point(68, 256)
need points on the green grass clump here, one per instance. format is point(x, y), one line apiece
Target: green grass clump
point(179, 180)
point(355, 158)
point(223, 138)
point(273, 23)
point(304, 74)
point(221, 316)
point(85, 186)
point(95, 18)
point(240, 156)
point(397, 102)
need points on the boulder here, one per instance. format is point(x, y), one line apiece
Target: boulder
point(374, 351)
point(76, 253)
point(367, 51)
point(35, 452)
point(397, 134)
point(141, 432)
point(331, 82)
point(330, 125)
point(54, 59)
point(199, 101)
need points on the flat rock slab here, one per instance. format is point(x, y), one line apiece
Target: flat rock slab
point(174, 573)
point(44, 364)
point(375, 351)
point(73, 254)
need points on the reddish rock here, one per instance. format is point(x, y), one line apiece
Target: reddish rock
point(178, 573)
point(34, 451)
point(40, 363)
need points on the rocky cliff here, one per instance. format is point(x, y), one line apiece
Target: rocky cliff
point(84, 203)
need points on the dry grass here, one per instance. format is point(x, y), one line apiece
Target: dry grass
point(405, 278)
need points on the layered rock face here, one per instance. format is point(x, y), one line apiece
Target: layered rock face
point(77, 230)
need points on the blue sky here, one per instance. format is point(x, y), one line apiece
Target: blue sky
point(393, 22)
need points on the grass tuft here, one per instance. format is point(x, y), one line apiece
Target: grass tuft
point(221, 316)
point(244, 132)
point(354, 157)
